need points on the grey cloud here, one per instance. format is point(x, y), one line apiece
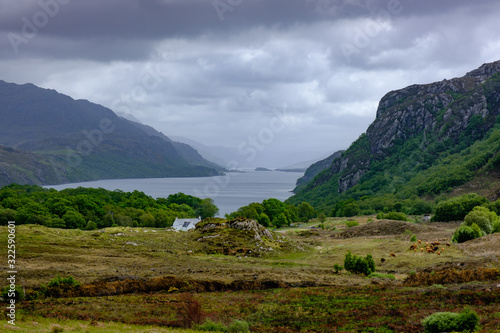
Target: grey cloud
point(175, 65)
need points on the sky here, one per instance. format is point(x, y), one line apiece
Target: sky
point(286, 79)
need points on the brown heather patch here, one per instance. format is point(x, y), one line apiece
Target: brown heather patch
point(448, 276)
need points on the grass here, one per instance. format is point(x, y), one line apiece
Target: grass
point(345, 302)
point(346, 308)
point(41, 324)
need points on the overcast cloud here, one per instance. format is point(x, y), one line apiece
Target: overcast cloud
point(301, 76)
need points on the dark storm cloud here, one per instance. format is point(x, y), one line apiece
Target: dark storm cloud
point(234, 64)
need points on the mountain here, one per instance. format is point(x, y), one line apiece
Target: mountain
point(80, 141)
point(316, 168)
point(426, 140)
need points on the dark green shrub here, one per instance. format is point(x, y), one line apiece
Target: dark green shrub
point(413, 238)
point(351, 224)
point(18, 294)
point(65, 283)
point(337, 268)
point(465, 233)
point(467, 320)
point(398, 216)
point(58, 286)
point(239, 326)
point(483, 217)
point(359, 265)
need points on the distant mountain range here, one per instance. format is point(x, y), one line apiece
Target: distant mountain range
point(49, 138)
point(426, 140)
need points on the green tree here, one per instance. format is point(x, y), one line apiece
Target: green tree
point(57, 222)
point(322, 217)
point(207, 208)
point(483, 217)
point(7, 215)
point(264, 220)
point(74, 220)
point(273, 208)
point(91, 225)
point(350, 209)
point(148, 220)
point(306, 211)
point(280, 221)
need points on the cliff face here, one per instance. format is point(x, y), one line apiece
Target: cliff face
point(443, 108)
point(450, 113)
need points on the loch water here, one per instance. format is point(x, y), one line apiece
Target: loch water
point(229, 192)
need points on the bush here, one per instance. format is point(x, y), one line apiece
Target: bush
point(465, 233)
point(398, 216)
point(484, 218)
point(210, 326)
point(239, 326)
point(413, 238)
point(18, 294)
point(337, 268)
point(59, 286)
point(359, 265)
point(64, 283)
point(350, 224)
point(467, 320)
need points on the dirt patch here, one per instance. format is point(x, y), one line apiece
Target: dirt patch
point(385, 228)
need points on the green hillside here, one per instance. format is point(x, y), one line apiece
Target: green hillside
point(426, 141)
point(50, 138)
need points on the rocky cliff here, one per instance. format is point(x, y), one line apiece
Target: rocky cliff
point(430, 120)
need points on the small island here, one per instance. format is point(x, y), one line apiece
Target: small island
point(262, 169)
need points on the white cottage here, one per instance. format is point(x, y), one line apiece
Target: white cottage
point(185, 224)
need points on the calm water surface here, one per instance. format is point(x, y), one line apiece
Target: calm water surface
point(229, 192)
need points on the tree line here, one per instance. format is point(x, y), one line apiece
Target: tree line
point(89, 208)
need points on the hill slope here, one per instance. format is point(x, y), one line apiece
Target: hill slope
point(426, 140)
point(83, 141)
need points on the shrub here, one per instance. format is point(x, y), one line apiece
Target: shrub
point(64, 283)
point(465, 233)
point(239, 326)
point(350, 224)
point(18, 294)
point(398, 216)
point(210, 326)
point(59, 286)
point(467, 320)
point(413, 238)
point(359, 265)
point(337, 268)
point(484, 218)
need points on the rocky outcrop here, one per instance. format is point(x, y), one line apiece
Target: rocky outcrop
point(252, 225)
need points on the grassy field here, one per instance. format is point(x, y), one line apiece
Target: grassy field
point(138, 278)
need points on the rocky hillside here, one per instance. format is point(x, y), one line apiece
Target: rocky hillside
point(56, 139)
point(316, 168)
point(425, 140)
